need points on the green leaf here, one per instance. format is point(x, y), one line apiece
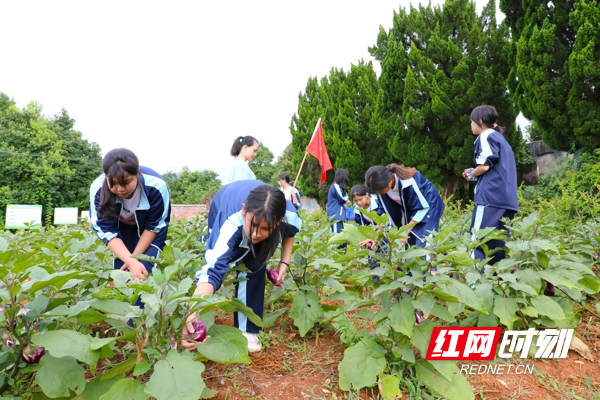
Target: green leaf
point(557, 278)
point(67, 343)
point(547, 306)
point(424, 303)
point(57, 376)
point(125, 389)
point(459, 258)
point(121, 369)
point(350, 234)
point(305, 310)
point(96, 388)
point(269, 319)
point(404, 351)
point(390, 387)
point(422, 335)
point(591, 283)
point(442, 313)
point(226, 345)
point(360, 368)
point(415, 253)
point(506, 310)
point(112, 306)
point(141, 368)
point(487, 320)
point(544, 244)
point(458, 388)
point(176, 377)
point(523, 288)
point(402, 317)
point(530, 277)
point(529, 311)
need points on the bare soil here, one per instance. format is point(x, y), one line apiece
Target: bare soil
point(306, 368)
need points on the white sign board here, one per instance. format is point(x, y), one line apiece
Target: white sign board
point(17, 215)
point(65, 215)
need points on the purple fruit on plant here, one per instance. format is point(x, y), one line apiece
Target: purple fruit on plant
point(273, 276)
point(32, 355)
point(7, 339)
point(419, 317)
point(549, 291)
point(199, 331)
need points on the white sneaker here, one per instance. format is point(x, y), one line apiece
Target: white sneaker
point(254, 345)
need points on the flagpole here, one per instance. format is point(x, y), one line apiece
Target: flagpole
point(306, 153)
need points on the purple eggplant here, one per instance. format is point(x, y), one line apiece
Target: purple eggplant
point(549, 291)
point(273, 276)
point(7, 339)
point(419, 317)
point(32, 355)
point(199, 331)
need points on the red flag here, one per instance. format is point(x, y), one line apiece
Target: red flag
point(317, 149)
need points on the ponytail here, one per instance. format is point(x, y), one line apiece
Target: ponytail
point(240, 142)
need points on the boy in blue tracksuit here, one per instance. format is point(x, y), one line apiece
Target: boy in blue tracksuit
point(496, 175)
point(407, 197)
point(247, 220)
point(130, 211)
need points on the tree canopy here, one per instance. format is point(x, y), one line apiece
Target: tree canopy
point(43, 160)
point(191, 187)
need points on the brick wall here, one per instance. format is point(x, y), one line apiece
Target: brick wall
point(187, 210)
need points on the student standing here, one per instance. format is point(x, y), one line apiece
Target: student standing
point(130, 211)
point(291, 193)
point(244, 150)
point(337, 199)
point(247, 220)
point(407, 197)
point(496, 175)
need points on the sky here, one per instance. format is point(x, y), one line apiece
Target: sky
point(178, 81)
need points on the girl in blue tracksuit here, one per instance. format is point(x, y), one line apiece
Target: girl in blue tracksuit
point(247, 220)
point(130, 211)
point(407, 197)
point(370, 202)
point(496, 175)
point(337, 198)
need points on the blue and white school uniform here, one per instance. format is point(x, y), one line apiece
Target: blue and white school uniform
point(228, 245)
point(375, 205)
point(496, 190)
point(153, 213)
point(336, 210)
point(414, 199)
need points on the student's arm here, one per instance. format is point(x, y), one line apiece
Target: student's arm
point(137, 269)
point(286, 255)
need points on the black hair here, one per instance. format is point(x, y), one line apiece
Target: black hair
point(268, 203)
point(358, 190)
point(115, 164)
point(487, 115)
point(341, 178)
point(378, 177)
point(284, 176)
point(240, 142)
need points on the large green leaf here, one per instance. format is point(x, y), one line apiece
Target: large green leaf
point(506, 310)
point(57, 376)
point(361, 365)
point(176, 377)
point(390, 387)
point(121, 369)
point(520, 286)
point(269, 319)
point(460, 258)
point(226, 345)
point(422, 335)
point(67, 343)
point(558, 278)
point(305, 310)
point(96, 388)
point(457, 388)
point(546, 306)
point(125, 389)
point(402, 317)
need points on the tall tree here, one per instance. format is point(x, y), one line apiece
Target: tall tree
point(437, 64)
point(556, 68)
point(43, 161)
point(262, 164)
point(190, 187)
point(346, 104)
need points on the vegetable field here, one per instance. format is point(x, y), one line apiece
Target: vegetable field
point(332, 331)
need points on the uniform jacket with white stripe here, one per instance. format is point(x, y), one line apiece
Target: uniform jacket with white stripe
point(375, 205)
point(336, 201)
point(498, 186)
point(227, 242)
point(153, 213)
point(420, 200)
